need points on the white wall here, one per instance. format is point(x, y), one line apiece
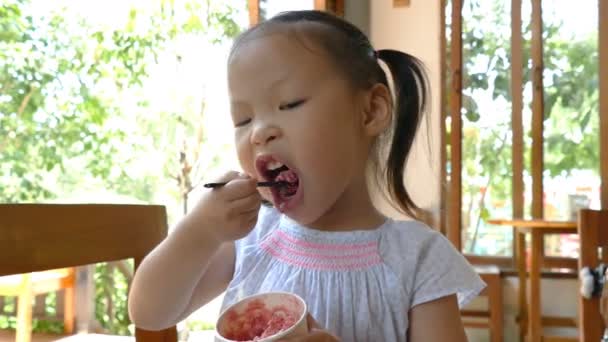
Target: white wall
point(416, 30)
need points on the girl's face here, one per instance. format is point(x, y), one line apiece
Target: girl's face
point(296, 120)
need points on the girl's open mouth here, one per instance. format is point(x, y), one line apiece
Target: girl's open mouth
point(285, 195)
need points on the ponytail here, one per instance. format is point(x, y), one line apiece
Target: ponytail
point(411, 91)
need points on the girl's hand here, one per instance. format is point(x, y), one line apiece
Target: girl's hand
point(230, 212)
point(315, 333)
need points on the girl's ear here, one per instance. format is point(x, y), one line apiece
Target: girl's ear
point(377, 111)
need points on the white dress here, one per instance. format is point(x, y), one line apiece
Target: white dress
point(360, 285)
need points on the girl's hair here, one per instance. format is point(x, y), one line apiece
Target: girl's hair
point(355, 57)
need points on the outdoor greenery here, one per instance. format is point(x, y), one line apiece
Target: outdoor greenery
point(571, 112)
point(38, 325)
point(77, 114)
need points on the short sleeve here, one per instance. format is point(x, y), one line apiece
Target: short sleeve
point(442, 271)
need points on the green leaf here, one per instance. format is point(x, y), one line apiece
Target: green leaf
point(550, 101)
point(585, 120)
point(98, 36)
point(478, 81)
point(471, 111)
point(485, 213)
point(501, 86)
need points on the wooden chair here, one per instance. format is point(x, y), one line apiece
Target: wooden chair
point(593, 234)
point(494, 315)
point(41, 237)
point(27, 286)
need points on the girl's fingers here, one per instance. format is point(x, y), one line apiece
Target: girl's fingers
point(246, 204)
point(227, 177)
point(312, 323)
point(246, 217)
point(238, 188)
point(251, 218)
point(251, 214)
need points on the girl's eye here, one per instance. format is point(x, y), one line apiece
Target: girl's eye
point(292, 105)
point(242, 123)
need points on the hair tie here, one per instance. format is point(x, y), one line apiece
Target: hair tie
point(373, 54)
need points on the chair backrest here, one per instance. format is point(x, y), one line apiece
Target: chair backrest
point(593, 233)
point(38, 237)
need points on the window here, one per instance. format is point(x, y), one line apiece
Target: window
point(486, 127)
point(571, 128)
point(513, 151)
point(260, 10)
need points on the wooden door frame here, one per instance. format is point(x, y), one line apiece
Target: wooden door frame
point(334, 6)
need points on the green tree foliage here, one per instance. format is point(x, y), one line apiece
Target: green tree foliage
point(63, 84)
point(571, 109)
point(51, 107)
point(74, 112)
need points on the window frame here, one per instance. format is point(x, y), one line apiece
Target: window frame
point(451, 192)
point(334, 6)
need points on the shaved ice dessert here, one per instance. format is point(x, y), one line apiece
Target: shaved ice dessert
point(261, 317)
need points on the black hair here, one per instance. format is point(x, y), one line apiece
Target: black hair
point(353, 54)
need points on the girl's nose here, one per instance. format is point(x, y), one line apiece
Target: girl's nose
point(263, 133)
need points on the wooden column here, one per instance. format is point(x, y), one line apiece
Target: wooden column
point(517, 151)
point(254, 12)
point(518, 157)
point(443, 176)
point(534, 306)
point(520, 245)
point(24, 310)
point(535, 328)
point(537, 110)
point(455, 210)
point(603, 73)
point(321, 5)
point(591, 327)
point(516, 109)
point(334, 6)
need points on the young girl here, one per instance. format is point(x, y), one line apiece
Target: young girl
point(311, 106)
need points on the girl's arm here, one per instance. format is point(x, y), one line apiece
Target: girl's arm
point(195, 262)
point(436, 321)
point(222, 267)
point(176, 279)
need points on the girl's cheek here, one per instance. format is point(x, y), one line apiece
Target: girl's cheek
point(243, 150)
point(247, 165)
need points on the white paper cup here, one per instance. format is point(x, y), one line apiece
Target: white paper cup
point(253, 314)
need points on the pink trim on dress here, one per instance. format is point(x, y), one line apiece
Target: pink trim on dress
point(321, 256)
point(324, 245)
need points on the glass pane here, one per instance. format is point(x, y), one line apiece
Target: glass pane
point(571, 128)
point(446, 108)
point(486, 154)
point(270, 8)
